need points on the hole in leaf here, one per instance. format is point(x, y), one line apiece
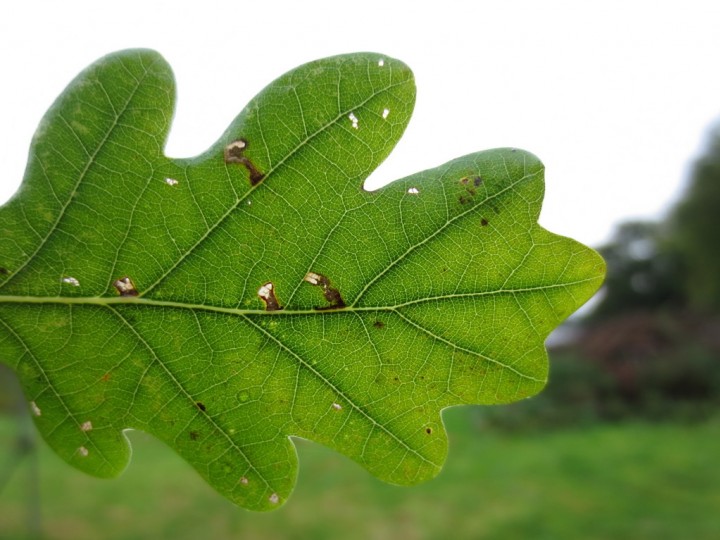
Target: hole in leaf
point(35, 409)
point(267, 294)
point(125, 287)
point(71, 281)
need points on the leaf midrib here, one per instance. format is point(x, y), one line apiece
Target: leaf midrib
point(149, 302)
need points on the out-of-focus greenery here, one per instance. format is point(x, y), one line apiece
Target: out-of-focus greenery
point(681, 384)
point(695, 229)
point(675, 263)
point(630, 481)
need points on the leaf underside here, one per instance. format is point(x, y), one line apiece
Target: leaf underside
point(226, 302)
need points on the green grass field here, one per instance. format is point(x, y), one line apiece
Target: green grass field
point(631, 481)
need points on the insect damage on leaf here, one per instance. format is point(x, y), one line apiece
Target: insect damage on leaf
point(267, 294)
point(222, 339)
point(235, 153)
point(125, 287)
point(331, 294)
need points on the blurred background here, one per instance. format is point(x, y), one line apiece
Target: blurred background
point(621, 101)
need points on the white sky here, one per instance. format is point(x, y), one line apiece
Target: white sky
point(615, 97)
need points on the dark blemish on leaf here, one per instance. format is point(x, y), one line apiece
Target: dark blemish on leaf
point(477, 180)
point(463, 199)
point(234, 153)
point(267, 294)
point(194, 435)
point(125, 287)
point(428, 430)
point(3, 271)
point(379, 324)
point(201, 406)
point(484, 222)
point(464, 180)
point(331, 294)
point(105, 378)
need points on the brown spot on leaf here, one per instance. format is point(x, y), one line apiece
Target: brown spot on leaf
point(379, 325)
point(200, 405)
point(477, 180)
point(267, 294)
point(125, 287)
point(194, 435)
point(105, 378)
point(235, 153)
point(331, 294)
point(484, 222)
point(463, 199)
point(428, 430)
point(3, 271)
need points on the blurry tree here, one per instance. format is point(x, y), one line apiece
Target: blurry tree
point(651, 347)
point(644, 271)
point(695, 229)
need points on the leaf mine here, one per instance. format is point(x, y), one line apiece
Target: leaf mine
point(267, 294)
point(331, 294)
point(235, 153)
point(125, 287)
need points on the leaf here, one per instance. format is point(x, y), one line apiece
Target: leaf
point(256, 292)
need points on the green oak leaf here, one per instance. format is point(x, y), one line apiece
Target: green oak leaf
point(228, 302)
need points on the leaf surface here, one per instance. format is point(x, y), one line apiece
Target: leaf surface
point(256, 292)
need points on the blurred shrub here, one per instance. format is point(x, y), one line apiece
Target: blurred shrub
point(652, 366)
